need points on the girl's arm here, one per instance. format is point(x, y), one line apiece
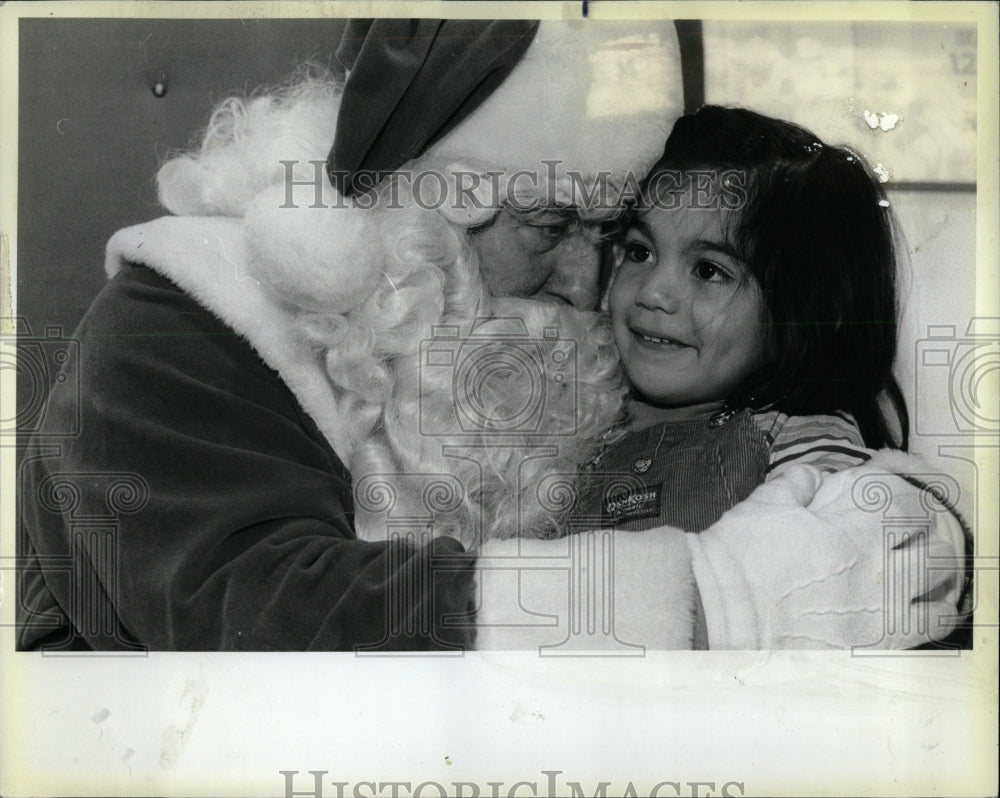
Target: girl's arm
point(830, 442)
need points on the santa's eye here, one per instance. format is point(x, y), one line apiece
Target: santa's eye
point(544, 231)
point(552, 230)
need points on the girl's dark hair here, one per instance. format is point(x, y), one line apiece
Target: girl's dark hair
point(816, 233)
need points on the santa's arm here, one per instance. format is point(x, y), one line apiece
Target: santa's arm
point(600, 590)
point(859, 558)
point(225, 515)
point(801, 563)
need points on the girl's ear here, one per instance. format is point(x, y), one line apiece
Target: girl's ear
point(615, 257)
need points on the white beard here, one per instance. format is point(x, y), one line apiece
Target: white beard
point(469, 414)
point(487, 425)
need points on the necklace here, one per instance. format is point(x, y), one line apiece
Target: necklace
point(609, 435)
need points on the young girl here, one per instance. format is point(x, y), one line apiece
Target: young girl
point(753, 303)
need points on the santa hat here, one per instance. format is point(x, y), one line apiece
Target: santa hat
point(594, 96)
point(562, 103)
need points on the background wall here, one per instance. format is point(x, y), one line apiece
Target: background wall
point(93, 131)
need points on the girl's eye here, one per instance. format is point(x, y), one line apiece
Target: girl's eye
point(637, 252)
point(712, 272)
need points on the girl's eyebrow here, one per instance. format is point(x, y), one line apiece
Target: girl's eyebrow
point(642, 227)
point(707, 245)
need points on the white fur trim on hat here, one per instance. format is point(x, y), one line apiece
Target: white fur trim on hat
point(596, 96)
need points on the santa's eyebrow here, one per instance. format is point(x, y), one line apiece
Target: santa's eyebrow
point(542, 213)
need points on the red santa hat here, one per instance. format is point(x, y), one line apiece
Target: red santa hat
point(592, 96)
point(558, 102)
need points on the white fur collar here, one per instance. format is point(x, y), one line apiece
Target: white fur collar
point(207, 258)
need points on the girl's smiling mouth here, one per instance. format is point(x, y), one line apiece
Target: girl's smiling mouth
point(656, 339)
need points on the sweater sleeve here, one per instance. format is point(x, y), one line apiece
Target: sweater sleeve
point(829, 442)
point(176, 497)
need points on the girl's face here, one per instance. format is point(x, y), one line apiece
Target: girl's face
point(687, 316)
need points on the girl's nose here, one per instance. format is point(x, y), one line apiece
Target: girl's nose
point(662, 290)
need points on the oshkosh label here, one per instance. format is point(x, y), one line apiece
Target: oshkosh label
point(632, 505)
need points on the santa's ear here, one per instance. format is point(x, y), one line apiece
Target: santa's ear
point(324, 259)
